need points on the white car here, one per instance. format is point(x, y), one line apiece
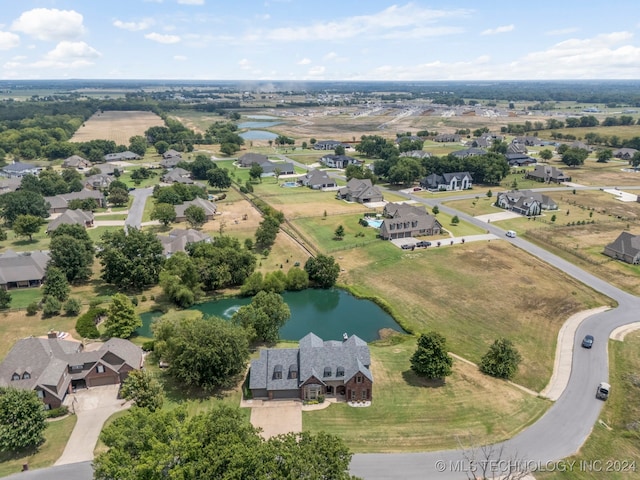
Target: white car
point(511, 234)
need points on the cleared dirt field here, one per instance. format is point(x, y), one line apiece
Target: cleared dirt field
point(117, 126)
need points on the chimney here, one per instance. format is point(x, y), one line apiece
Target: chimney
point(52, 334)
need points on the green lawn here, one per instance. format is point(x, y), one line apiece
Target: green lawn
point(411, 414)
point(39, 241)
point(321, 231)
point(21, 297)
point(56, 436)
point(96, 233)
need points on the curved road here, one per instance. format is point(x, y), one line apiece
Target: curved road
point(558, 434)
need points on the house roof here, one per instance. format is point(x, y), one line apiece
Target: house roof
point(61, 201)
point(22, 267)
point(178, 239)
point(469, 152)
point(179, 175)
point(398, 209)
point(409, 222)
point(270, 167)
point(46, 360)
point(71, 217)
point(18, 167)
point(311, 359)
point(626, 244)
point(75, 160)
point(416, 154)
point(209, 207)
point(318, 177)
point(360, 188)
point(171, 153)
point(128, 155)
point(170, 162)
point(99, 180)
point(249, 159)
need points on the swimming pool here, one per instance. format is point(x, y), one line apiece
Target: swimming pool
point(374, 223)
point(289, 184)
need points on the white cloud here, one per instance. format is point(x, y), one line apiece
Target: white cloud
point(304, 61)
point(502, 29)
point(180, 58)
point(166, 39)
point(69, 51)
point(8, 40)
point(244, 64)
point(134, 26)
point(391, 22)
point(50, 24)
point(191, 2)
point(315, 71)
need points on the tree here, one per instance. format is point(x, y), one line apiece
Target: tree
point(122, 319)
point(144, 389)
point(455, 220)
point(5, 298)
point(339, 150)
point(431, 359)
point(51, 307)
point(201, 166)
point(161, 147)
point(574, 156)
point(27, 225)
point(275, 281)
point(546, 154)
point(604, 155)
point(165, 213)
point(297, 279)
point(72, 251)
point(22, 419)
point(203, 353)
point(339, 233)
point(322, 270)
point(196, 216)
point(267, 231)
point(252, 285)
point(255, 173)
point(435, 210)
point(72, 307)
point(131, 260)
point(263, 317)
point(118, 197)
point(56, 284)
point(138, 145)
point(489, 194)
point(501, 360)
point(162, 444)
point(219, 178)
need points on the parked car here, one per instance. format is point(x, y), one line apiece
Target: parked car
point(423, 243)
point(511, 234)
point(602, 392)
point(587, 341)
point(407, 246)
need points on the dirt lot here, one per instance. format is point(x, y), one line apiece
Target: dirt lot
point(117, 126)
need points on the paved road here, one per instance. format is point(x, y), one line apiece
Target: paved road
point(140, 195)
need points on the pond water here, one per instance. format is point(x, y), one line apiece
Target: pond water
point(263, 117)
point(327, 313)
point(258, 135)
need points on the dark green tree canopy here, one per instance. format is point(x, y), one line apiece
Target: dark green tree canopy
point(264, 316)
point(22, 202)
point(131, 260)
point(122, 319)
point(501, 360)
point(22, 419)
point(143, 388)
point(72, 251)
point(206, 353)
point(431, 358)
point(322, 270)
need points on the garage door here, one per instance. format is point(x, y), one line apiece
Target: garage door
point(100, 381)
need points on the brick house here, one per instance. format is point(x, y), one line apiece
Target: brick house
point(316, 368)
point(403, 221)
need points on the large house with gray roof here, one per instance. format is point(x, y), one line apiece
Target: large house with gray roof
point(317, 180)
point(209, 208)
point(525, 202)
point(361, 191)
point(178, 239)
point(447, 181)
point(404, 220)
point(317, 368)
point(72, 217)
point(547, 174)
point(54, 366)
point(626, 248)
point(60, 203)
point(22, 270)
point(121, 156)
point(19, 169)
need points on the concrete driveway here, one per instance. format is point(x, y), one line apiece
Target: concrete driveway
point(276, 416)
point(92, 407)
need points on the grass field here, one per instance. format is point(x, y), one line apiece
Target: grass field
point(118, 126)
point(472, 294)
point(412, 414)
point(614, 441)
point(56, 436)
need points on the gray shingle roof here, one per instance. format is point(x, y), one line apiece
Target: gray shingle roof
point(22, 267)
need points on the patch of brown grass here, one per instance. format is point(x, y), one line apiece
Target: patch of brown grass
point(118, 126)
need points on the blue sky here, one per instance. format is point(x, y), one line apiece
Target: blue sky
point(320, 40)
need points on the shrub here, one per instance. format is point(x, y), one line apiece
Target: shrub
point(134, 300)
point(33, 308)
point(51, 307)
point(243, 189)
point(86, 324)
point(94, 302)
point(57, 412)
point(148, 346)
point(143, 298)
point(72, 307)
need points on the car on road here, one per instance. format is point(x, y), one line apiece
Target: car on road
point(587, 341)
point(602, 392)
point(511, 234)
point(423, 243)
point(407, 246)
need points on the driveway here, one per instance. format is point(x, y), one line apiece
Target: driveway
point(92, 407)
point(140, 195)
point(276, 416)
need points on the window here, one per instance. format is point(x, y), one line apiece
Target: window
point(15, 376)
point(359, 379)
point(340, 372)
point(277, 372)
point(353, 394)
point(293, 371)
point(100, 369)
point(26, 376)
point(327, 371)
point(41, 393)
point(364, 394)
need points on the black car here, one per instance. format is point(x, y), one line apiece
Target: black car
point(587, 341)
point(423, 243)
point(407, 246)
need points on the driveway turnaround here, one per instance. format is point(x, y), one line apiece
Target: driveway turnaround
point(276, 417)
point(92, 407)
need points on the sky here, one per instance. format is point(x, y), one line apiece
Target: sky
point(331, 40)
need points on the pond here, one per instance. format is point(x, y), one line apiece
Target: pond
point(327, 313)
point(258, 124)
point(263, 117)
point(258, 135)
